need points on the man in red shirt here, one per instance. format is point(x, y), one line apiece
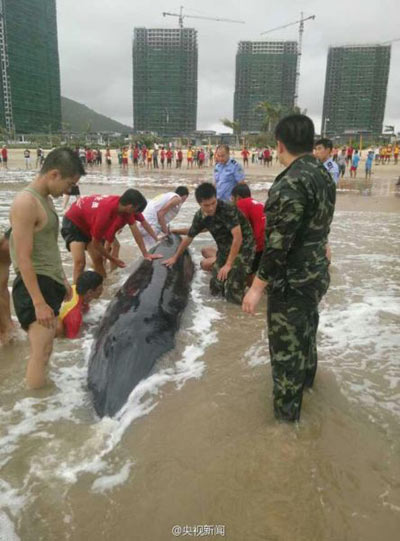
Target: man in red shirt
point(266, 156)
point(254, 212)
point(4, 156)
point(92, 220)
point(169, 158)
point(245, 155)
point(89, 286)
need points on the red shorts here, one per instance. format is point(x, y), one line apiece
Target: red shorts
point(125, 161)
point(352, 168)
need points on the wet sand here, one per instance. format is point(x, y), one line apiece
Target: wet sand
point(205, 449)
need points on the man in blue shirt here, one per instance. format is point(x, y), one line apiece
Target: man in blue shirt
point(227, 173)
point(354, 164)
point(322, 151)
point(368, 164)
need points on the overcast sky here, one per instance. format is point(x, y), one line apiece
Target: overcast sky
point(95, 45)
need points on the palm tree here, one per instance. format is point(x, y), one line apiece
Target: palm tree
point(234, 125)
point(272, 113)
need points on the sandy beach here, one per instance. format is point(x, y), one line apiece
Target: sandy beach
point(197, 443)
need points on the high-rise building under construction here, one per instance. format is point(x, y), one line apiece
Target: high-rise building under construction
point(165, 80)
point(355, 89)
point(30, 99)
point(265, 71)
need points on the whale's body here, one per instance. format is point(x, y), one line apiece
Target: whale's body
point(138, 327)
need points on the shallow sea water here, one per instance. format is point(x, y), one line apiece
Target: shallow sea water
point(197, 445)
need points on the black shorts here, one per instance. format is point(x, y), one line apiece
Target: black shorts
point(71, 233)
point(52, 291)
point(256, 262)
point(74, 190)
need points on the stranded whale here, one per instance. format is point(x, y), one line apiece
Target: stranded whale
point(138, 327)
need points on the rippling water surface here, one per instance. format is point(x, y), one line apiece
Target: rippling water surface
point(197, 443)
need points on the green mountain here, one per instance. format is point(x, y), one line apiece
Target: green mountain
point(77, 118)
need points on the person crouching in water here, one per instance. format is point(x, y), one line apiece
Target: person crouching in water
point(88, 287)
point(254, 212)
point(230, 262)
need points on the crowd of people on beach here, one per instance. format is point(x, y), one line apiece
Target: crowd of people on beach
point(281, 246)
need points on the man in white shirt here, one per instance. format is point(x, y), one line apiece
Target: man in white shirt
point(322, 151)
point(161, 210)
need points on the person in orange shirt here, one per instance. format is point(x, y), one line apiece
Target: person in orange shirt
point(89, 286)
point(396, 154)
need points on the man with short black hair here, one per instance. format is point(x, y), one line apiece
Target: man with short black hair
point(294, 266)
point(323, 151)
point(254, 212)
point(97, 218)
point(227, 173)
point(40, 284)
point(231, 262)
point(161, 210)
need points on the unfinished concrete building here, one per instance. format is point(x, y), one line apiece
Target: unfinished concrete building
point(30, 100)
point(265, 71)
point(165, 80)
point(355, 89)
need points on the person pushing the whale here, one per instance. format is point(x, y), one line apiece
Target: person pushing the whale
point(161, 210)
point(95, 219)
point(231, 263)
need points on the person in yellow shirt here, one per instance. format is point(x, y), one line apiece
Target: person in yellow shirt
point(149, 158)
point(396, 154)
point(189, 157)
point(89, 286)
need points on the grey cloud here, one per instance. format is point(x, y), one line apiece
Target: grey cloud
point(95, 42)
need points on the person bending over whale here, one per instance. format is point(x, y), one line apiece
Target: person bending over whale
point(235, 243)
point(161, 210)
point(95, 219)
point(89, 286)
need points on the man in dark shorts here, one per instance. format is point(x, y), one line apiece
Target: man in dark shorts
point(254, 212)
point(231, 261)
point(40, 284)
point(96, 219)
point(294, 265)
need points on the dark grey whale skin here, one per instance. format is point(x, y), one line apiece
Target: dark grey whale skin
point(138, 327)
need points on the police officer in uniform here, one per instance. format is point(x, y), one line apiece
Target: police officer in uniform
point(294, 266)
point(322, 151)
point(227, 173)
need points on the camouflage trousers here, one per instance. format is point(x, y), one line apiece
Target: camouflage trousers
point(292, 333)
point(233, 287)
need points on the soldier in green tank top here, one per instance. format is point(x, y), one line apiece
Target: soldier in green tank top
point(40, 285)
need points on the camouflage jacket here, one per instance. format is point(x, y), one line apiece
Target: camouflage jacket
point(299, 211)
point(220, 226)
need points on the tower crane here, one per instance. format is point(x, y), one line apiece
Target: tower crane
point(181, 16)
point(300, 22)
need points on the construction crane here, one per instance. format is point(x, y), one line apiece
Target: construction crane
point(181, 16)
point(390, 41)
point(300, 22)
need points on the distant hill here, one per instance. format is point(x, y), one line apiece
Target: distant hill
point(76, 118)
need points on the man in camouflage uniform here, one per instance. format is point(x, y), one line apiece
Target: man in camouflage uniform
point(294, 266)
point(231, 263)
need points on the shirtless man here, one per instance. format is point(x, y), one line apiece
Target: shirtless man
point(40, 285)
